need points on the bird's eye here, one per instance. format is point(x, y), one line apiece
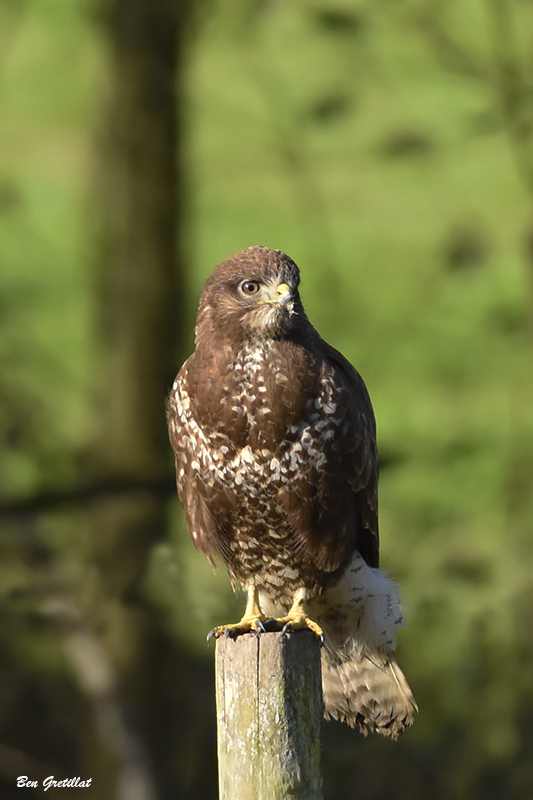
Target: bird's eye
point(249, 287)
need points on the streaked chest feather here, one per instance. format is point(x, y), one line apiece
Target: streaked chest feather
point(258, 534)
point(300, 449)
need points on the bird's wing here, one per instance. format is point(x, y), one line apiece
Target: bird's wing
point(332, 507)
point(206, 530)
point(359, 454)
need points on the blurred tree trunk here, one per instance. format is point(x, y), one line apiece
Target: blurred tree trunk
point(140, 186)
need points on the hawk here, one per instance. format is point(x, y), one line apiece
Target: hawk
point(277, 470)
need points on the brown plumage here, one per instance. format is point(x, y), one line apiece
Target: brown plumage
point(276, 463)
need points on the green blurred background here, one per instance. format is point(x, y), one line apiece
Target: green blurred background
point(387, 146)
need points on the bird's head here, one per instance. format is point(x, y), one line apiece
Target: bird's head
point(253, 295)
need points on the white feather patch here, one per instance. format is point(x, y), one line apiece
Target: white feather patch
point(362, 610)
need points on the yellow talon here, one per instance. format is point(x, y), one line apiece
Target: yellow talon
point(253, 619)
point(245, 625)
point(300, 622)
point(296, 619)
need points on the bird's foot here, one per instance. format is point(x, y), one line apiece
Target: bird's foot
point(297, 620)
point(256, 623)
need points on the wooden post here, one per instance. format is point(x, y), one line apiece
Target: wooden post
point(269, 710)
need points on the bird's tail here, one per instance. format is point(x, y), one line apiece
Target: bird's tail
point(363, 684)
point(368, 693)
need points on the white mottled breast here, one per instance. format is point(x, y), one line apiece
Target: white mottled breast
point(212, 453)
point(259, 533)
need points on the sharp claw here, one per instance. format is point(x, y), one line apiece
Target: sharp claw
point(287, 627)
point(267, 626)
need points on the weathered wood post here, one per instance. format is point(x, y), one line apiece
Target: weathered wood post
point(269, 709)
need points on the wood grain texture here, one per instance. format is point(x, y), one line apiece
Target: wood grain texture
point(269, 711)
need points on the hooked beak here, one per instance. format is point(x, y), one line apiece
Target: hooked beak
point(280, 293)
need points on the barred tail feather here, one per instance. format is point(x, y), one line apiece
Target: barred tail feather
point(367, 694)
point(363, 684)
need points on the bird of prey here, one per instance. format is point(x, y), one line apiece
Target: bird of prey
point(277, 470)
